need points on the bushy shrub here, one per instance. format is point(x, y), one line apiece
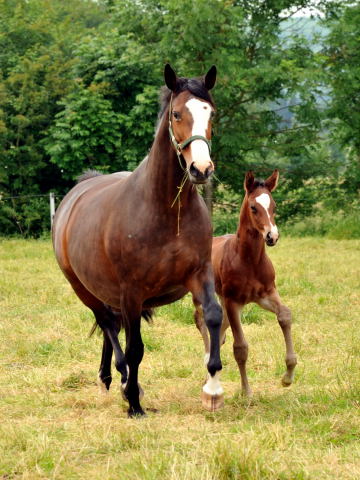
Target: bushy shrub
point(26, 216)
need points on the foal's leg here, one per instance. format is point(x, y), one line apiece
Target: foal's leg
point(201, 326)
point(283, 313)
point(202, 288)
point(240, 346)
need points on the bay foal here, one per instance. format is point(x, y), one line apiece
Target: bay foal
point(244, 274)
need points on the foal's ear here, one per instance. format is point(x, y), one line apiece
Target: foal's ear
point(249, 182)
point(170, 77)
point(210, 78)
point(272, 181)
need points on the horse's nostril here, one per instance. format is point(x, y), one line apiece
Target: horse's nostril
point(193, 170)
point(268, 236)
point(208, 171)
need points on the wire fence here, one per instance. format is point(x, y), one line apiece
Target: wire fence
point(32, 214)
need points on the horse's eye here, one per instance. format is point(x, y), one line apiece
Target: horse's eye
point(177, 116)
point(253, 209)
point(212, 114)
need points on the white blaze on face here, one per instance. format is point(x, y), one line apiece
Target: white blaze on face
point(264, 201)
point(200, 112)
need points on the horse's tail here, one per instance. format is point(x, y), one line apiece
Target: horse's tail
point(88, 174)
point(147, 315)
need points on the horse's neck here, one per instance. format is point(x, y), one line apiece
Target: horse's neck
point(164, 173)
point(249, 242)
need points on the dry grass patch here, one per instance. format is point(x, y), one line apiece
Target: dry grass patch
point(56, 424)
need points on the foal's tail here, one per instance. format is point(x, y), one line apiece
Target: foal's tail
point(146, 314)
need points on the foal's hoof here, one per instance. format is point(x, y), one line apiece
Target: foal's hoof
point(212, 402)
point(287, 380)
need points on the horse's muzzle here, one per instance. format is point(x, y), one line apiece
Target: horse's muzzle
point(271, 240)
point(198, 177)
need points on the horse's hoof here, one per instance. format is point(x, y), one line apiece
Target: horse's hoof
point(136, 412)
point(103, 387)
point(212, 402)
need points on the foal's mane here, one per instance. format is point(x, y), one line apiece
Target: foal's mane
point(193, 85)
point(258, 182)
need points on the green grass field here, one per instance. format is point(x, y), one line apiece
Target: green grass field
point(56, 424)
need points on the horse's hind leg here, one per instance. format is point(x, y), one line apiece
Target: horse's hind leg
point(240, 346)
point(108, 322)
point(134, 353)
point(283, 313)
point(104, 377)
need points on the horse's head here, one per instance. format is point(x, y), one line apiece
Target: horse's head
point(190, 113)
point(261, 206)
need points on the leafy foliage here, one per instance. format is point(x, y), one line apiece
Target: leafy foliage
point(79, 88)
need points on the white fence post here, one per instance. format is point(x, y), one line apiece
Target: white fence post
point(52, 207)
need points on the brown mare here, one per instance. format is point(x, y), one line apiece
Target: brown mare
point(131, 242)
point(244, 274)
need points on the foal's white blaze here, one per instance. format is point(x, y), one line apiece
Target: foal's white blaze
point(200, 112)
point(264, 201)
point(213, 386)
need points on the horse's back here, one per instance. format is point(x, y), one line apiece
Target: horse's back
point(85, 189)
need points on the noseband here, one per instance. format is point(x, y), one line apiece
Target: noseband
point(179, 147)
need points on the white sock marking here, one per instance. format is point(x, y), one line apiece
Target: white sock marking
point(213, 386)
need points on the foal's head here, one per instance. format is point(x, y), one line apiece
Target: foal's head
point(191, 109)
point(261, 206)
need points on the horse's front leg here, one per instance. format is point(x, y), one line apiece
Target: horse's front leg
point(201, 326)
point(202, 289)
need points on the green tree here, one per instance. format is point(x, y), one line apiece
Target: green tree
point(256, 69)
point(342, 76)
point(36, 60)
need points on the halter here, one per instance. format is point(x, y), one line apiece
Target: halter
point(179, 147)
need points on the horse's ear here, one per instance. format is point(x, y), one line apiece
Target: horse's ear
point(272, 181)
point(249, 182)
point(210, 78)
point(170, 77)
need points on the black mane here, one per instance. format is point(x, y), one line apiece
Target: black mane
point(193, 85)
